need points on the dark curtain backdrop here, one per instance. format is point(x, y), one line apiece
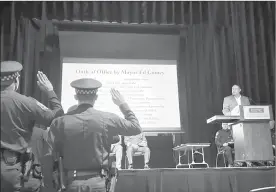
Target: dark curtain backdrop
point(214, 56)
point(221, 44)
point(126, 12)
point(33, 43)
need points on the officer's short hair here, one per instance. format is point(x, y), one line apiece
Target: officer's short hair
point(85, 97)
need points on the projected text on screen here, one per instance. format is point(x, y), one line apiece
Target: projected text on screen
point(149, 88)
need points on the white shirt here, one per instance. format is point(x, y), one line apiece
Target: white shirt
point(238, 100)
point(236, 110)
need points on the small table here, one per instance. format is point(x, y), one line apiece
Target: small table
point(193, 147)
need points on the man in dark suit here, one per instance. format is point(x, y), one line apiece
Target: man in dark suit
point(230, 103)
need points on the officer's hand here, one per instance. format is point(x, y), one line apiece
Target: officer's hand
point(43, 82)
point(225, 144)
point(117, 98)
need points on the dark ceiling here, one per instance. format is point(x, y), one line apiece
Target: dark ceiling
point(4, 4)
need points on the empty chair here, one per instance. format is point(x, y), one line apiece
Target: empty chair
point(138, 153)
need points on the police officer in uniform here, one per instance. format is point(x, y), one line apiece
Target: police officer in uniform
point(18, 114)
point(224, 142)
point(40, 149)
point(83, 138)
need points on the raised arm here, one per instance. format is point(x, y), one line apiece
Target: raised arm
point(128, 126)
point(119, 126)
point(47, 88)
point(39, 113)
point(36, 110)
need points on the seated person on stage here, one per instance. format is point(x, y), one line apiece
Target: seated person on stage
point(232, 102)
point(117, 148)
point(137, 143)
point(224, 141)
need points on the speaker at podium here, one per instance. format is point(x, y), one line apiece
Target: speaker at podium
point(251, 132)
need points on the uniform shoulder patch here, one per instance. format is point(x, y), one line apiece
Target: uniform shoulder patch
point(43, 107)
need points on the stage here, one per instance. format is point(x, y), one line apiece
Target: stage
point(195, 180)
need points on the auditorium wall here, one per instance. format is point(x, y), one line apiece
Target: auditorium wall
point(118, 45)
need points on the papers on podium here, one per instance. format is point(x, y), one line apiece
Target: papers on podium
point(235, 111)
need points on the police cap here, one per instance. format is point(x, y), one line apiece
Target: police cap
point(86, 86)
point(9, 71)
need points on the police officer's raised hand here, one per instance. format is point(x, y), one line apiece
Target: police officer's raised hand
point(117, 98)
point(43, 82)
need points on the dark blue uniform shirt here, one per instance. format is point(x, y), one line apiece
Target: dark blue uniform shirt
point(84, 135)
point(18, 116)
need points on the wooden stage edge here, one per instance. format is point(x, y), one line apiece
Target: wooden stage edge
point(240, 179)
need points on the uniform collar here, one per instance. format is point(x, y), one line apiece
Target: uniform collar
point(85, 105)
point(81, 108)
point(226, 130)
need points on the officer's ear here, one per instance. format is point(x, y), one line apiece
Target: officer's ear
point(96, 97)
point(76, 97)
point(16, 83)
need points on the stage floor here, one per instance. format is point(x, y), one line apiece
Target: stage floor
point(195, 180)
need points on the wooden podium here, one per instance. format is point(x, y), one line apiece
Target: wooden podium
point(251, 132)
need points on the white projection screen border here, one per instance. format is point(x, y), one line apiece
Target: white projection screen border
point(167, 120)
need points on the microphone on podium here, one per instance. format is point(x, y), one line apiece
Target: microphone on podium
point(252, 101)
